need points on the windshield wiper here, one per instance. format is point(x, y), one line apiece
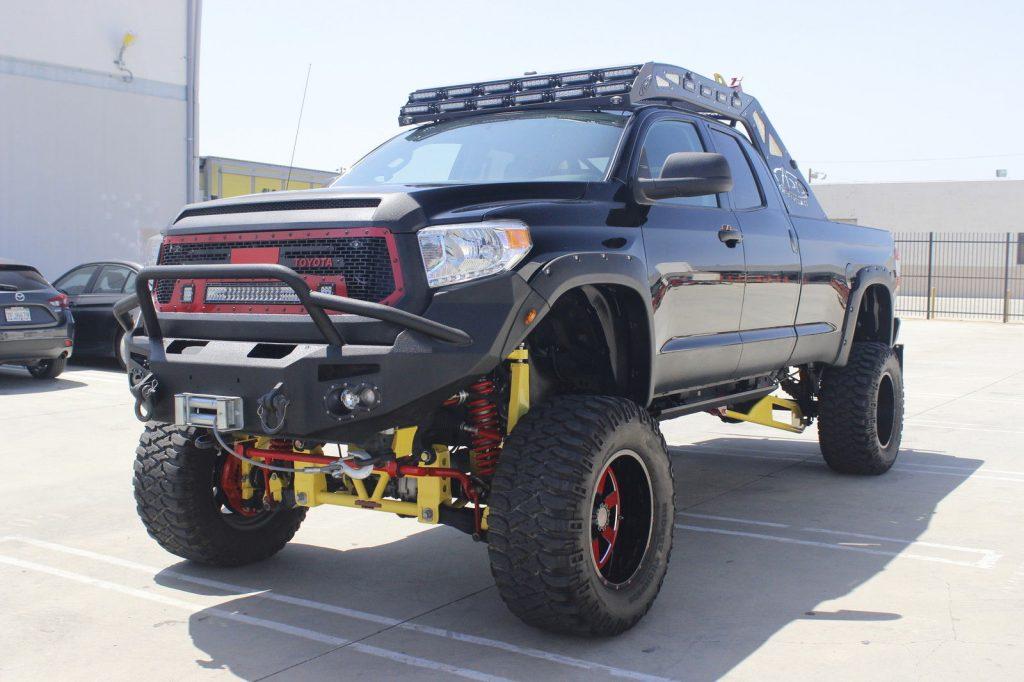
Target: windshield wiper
point(8, 287)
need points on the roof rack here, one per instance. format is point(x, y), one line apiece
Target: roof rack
point(621, 87)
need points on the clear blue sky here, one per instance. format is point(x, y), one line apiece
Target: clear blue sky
point(847, 84)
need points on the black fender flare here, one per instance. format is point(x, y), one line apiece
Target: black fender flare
point(571, 271)
point(865, 278)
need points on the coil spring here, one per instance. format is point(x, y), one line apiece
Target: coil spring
point(483, 421)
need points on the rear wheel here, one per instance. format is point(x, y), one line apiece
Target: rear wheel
point(188, 500)
point(48, 369)
point(581, 515)
point(860, 411)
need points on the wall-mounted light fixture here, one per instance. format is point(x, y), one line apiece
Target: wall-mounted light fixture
point(126, 41)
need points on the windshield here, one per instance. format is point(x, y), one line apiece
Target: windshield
point(523, 147)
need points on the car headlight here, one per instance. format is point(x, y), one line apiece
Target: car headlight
point(153, 248)
point(459, 253)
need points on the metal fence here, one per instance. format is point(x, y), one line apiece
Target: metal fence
point(962, 275)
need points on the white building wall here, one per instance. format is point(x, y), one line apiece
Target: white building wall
point(91, 164)
point(972, 206)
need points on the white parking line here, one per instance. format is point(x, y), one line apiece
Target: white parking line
point(905, 467)
point(734, 519)
point(982, 563)
point(957, 427)
point(276, 626)
point(340, 610)
point(989, 556)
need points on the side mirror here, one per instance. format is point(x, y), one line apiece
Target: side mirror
point(689, 174)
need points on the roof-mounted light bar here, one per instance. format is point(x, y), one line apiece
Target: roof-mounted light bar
point(620, 87)
point(606, 87)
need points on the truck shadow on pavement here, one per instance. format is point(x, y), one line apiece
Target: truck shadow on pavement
point(766, 536)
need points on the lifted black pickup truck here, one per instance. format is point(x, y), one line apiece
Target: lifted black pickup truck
point(489, 314)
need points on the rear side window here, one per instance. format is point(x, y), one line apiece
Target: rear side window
point(111, 280)
point(75, 281)
point(22, 280)
point(745, 193)
point(665, 138)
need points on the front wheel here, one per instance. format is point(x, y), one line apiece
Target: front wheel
point(581, 515)
point(193, 507)
point(860, 411)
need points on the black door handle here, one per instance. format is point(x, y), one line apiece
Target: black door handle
point(730, 236)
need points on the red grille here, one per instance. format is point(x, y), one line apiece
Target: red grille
point(360, 263)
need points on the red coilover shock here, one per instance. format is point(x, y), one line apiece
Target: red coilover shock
point(483, 425)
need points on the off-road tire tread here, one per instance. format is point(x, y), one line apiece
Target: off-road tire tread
point(171, 478)
point(846, 414)
point(532, 526)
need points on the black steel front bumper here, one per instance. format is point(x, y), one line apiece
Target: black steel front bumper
point(464, 333)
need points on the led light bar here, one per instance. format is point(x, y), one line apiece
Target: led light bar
point(422, 95)
point(611, 88)
point(250, 292)
point(453, 106)
point(570, 93)
point(612, 74)
point(528, 99)
point(574, 78)
point(621, 87)
point(534, 83)
point(489, 102)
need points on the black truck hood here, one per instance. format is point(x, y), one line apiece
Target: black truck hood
point(402, 208)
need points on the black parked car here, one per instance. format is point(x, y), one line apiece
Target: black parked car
point(36, 326)
point(93, 288)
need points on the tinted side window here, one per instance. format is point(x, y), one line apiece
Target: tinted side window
point(664, 138)
point(745, 193)
point(129, 285)
point(111, 280)
point(74, 282)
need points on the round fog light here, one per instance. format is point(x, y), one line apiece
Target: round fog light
point(368, 396)
point(349, 399)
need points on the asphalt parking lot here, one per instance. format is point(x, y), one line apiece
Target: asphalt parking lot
point(780, 567)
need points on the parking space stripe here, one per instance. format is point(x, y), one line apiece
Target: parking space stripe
point(340, 610)
point(990, 557)
point(276, 626)
point(905, 467)
point(835, 546)
point(710, 517)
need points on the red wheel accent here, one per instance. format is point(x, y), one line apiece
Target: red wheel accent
point(230, 483)
point(604, 529)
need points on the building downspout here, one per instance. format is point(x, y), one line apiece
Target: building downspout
point(195, 14)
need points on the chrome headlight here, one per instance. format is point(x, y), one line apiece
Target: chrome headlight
point(459, 253)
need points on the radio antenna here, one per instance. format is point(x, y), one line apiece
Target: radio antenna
point(298, 125)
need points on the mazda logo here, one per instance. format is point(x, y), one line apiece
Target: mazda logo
point(19, 296)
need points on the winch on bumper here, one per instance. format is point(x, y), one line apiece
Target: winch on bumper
point(322, 390)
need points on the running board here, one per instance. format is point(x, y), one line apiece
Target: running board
point(710, 403)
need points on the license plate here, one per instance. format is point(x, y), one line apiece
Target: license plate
point(17, 314)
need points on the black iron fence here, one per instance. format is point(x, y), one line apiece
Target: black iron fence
point(962, 275)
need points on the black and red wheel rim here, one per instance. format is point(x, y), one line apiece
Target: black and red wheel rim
point(621, 518)
point(607, 506)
